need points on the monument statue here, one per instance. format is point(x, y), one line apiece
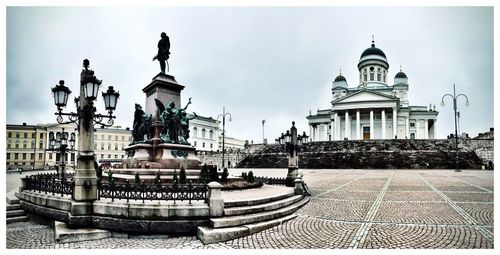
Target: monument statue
point(175, 122)
point(142, 125)
point(163, 51)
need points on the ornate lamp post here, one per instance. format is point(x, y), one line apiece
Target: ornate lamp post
point(223, 115)
point(293, 143)
point(455, 97)
point(60, 144)
point(85, 118)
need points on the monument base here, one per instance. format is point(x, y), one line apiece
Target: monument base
point(162, 156)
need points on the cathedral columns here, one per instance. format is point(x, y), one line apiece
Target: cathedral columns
point(383, 124)
point(334, 127)
point(311, 132)
point(347, 126)
point(407, 127)
point(358, 127)
point(372, 128)
point(394, 123)
point(426, 129)
point(337, 127)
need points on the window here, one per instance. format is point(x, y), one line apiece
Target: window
point(109, 146)
point(16, 155)
point(116, 147)
point(32, 155)
point(195, 132)
point(40, 156)
point(33, 135)
point(211, 135)
point(123, 156)
point(109, 156)
point(17, 135)
point(58, 157)
point(116, 138)
point(412, 135)
point(203, 134)
point(412, 124)
point(17, 146)
point(364, 77)
point(73, 157)
point(371, 76)
point(8, 155)
point(211, 145)
point(194, 143)
point(203, 145)
point(102, 146)
point(40, 145)
point(102, 156)
point(50, 155)
point(25, 135)
point(116, 156)
point(25, 146)
point(8, 146)
point(379, 78)
point(9, 135)
point(384, 78)
point(24, 155)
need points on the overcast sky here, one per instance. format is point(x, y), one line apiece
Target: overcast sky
point(272, 63)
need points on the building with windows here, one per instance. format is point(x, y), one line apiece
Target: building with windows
point(110, 144)
point(204, 133)
point(373, 109)
point(25, 146)
point(53, 156)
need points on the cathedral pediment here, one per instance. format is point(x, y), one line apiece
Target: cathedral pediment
point(365, 96)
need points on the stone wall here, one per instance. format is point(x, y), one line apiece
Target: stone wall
point(373, 154)
point(215, 158)
point(484, 148)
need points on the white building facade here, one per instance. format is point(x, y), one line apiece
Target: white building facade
point(373, 109)
point(205, 135)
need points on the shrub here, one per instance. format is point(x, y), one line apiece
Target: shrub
point(250, 177)
point(137, 178)
point(175, 179)
point(158, 177)
point(182, 175)
point(110, 176)
point(225, 173)
point(214, 176)
point(244, 176)
point(204, 175)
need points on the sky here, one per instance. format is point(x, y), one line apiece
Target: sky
point(272, 63)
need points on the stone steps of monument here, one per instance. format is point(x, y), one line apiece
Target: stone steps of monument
point(147, 178)
point(153, 171)
point(240, 210)
point(231, 227)
point(258, 201)
point(14, 211)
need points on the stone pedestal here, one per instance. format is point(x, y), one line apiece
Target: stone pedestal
point(164, 156)
point(165, 88)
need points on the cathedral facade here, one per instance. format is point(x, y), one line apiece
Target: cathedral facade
point(373, 109)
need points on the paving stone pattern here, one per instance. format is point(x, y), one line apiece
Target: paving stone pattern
point(356, 209)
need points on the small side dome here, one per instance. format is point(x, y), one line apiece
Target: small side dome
point(401, 77)
point(340, 81)
point(340, 78)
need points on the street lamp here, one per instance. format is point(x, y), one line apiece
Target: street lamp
point(223, 115)
point(293, 143)
point(85, 118)
point(455, 97)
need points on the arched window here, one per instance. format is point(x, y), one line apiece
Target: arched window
point(203, 133)
point(211, 134)
point(195, 132)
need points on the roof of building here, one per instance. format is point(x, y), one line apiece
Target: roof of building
point(401, 74)
point(373, 51)
point(340, 78)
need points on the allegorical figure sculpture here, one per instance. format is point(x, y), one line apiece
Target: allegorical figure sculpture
point(142, 125)
point(175, 123)
point(163, 51)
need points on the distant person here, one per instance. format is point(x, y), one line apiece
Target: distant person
point(163, 51)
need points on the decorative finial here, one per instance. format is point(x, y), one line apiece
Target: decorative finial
point(293, 123)
point(86, 63)
point(400, 68)
point(340, 71)
point(373, 41)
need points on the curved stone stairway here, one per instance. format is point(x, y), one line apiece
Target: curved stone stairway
point(14, 211)
point(244, 216)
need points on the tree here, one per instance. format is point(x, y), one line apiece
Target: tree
point(244, 175)
point(204, 175)
point(137, 178)
point(175, 179)
point(250, 177)
point(158, 177)
point(214, 176)
point(225, 173)
point(182, 175)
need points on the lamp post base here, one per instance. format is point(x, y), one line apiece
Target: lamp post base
point(293, 172)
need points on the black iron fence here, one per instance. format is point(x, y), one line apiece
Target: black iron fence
point(271, 180)
point(143, 191)
point(49, 184)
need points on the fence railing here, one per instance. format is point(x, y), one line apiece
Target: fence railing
point(144, 191)
point(271, 180)
point(49, 184)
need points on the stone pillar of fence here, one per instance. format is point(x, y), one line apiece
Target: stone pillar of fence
point(215, 201)
point(299, 187)
point(23, 185)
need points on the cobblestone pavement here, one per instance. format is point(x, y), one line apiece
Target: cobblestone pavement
point(348, 209)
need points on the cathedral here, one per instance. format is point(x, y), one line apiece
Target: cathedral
point(373, 109)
